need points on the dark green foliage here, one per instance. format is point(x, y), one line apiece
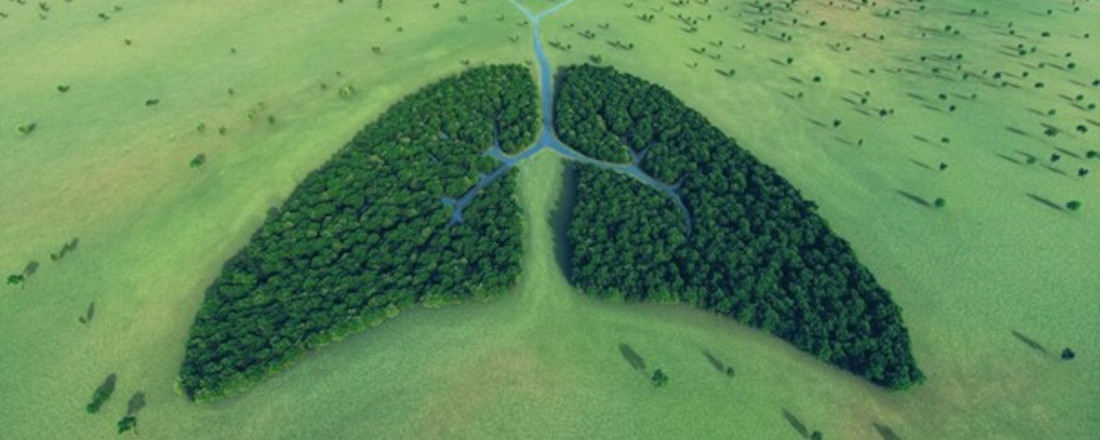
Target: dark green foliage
point(198, 160)
point(817, 435)
point(1068, 354)
point(102, 393)
point(16, 279)
point(659, 379)
point(940, 202)
point(1073, 205)
point(757, 251)
point(127, 423)
point(27, 129)
point(367, 235)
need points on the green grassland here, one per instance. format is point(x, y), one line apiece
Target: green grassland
point(545, 361)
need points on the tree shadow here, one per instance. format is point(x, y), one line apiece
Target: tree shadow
point(1068, 152)
point(816, 122)
point(914, 198)
point(108, 385)
point(886, 432)
point(1015, 130)
point(1010, 159)
point(714, 362)
point(88, 314)
point(31, 269)
point(1054, 170)
point(1046, 202)
point(795, 423)
point(632, 357)
point(136, 403)
point(920, 164)
point(1033, 344)
point(560, 216)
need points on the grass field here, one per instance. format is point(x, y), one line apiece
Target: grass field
point(546, 362)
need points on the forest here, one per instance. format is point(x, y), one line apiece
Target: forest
point(757, 251)
point(367, 235)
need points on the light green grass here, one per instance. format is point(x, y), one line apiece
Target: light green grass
point(993, 261)
point(543, 362)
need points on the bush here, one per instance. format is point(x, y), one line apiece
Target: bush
point(659, 379)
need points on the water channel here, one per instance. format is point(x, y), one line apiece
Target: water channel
point(547, 139)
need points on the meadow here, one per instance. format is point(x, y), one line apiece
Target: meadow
point(1002, 258)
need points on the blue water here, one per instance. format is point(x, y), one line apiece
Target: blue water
point(547, 139)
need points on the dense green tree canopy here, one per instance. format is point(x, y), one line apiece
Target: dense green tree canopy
point(757, 251)
point(368, 234)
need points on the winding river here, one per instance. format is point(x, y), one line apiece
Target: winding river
point(547, 139)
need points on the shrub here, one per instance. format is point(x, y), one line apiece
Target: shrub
point(198, 160)
point(659, 378)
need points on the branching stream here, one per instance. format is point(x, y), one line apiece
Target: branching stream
point(547, 139)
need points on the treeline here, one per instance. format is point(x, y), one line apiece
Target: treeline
point(368, 235)
point(757, 252)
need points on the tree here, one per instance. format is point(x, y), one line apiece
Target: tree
point(1073, 205)
point(817, 435)
point(1068, 354)
point(127, 423)
point(659, 378)
point(940, 202)
point(198, 160)
point(16, 279)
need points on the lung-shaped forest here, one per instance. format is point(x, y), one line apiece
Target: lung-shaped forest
point(751, 247)
point(368, 234)
point(418, 209)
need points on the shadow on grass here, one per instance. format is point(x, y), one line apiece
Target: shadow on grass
point(886, 432)
point(816, 122)
point(1055, 170)
point(1015, 130)
point(1069, 153)
point(559, 219)
point(1033, 344)
point(1010, 159)
point(920, 164)
point(796, 424)
point(914, 198)
point(714, 362)
point(136, 403)
point(632, 357)
point(1046, 202)
point(108, 385)
point(88, 314)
